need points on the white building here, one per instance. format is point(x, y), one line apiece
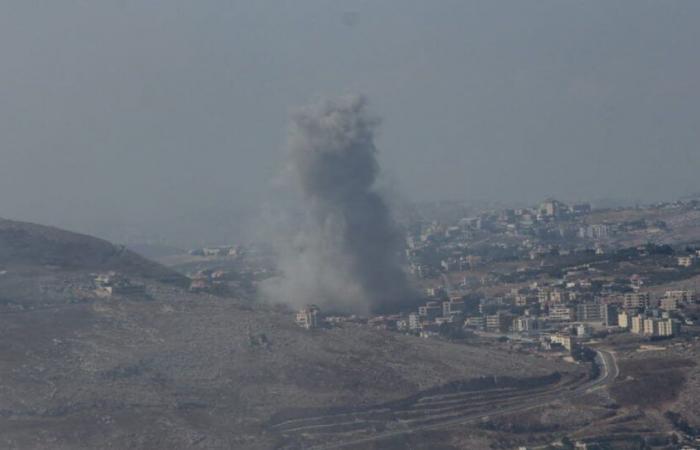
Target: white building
point(308, 317)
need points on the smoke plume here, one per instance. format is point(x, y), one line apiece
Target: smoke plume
point(346, 254)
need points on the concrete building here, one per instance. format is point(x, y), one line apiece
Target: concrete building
point(558, 296)
point(609, 315)
point(651, 327)
point(582, 330)
point(113, 283)
point(636, 300)
point(661, 327)
point(567, 341)
point(476, 322)
point(624, 320)
point(498, 322)
point(453, 307)
point(686, 261)
point(637, 324)
point(669, 327)
point(681, 295)
point(669, 303)
point(430, 310)
point(308, 317)
point(414, 322)
point(589, 312)
point(561, 313)
point(551, 208)
point(524, 324)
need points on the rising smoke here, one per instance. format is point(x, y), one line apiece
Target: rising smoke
point(346, 254)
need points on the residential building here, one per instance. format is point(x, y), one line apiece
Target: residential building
point(561, 313)
point(609, 315)
point(669, 303)
point(308, 317)
point(590, 312)
point(476, 322)
point(669, 327)
point(636, 300)
point(582, 330)
point(430, 311)
point(651, 327)
point(524, 324)
point(414, 322)
point(498, 322)
point(624, 320)
point(682, 295)
point(558, 296)
point(637, 324)
point(686, 261)
point(453, 307)
point(567, 341)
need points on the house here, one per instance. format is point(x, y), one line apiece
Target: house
point(686, 261)
point(113, 283)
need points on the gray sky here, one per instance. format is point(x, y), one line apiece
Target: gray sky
point(119, 118)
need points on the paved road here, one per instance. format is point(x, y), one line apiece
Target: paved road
point(609, 371)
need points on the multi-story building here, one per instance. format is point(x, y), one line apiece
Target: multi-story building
point(669, 327)
point(523, 324)
point(308, 317)
point(558, 296)
point(609, 315)
point(476, 322)
point(561, 313)
point(681, 295)
point(582, 330)
point(430, 310)
point(637, 324)
point(414, 322)
point(669, 303)
point(498, 322)
point(453, 307)
point(624, 320)
point(524, 299)
point(636, 300)
point(656, 327)
point(589, 312)
point(567, 341)
point(651, 327)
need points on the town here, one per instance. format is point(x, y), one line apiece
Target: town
point(556, 274)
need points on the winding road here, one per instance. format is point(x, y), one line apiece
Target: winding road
point(439, 411)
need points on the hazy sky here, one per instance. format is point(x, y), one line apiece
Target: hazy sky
point(131, 115)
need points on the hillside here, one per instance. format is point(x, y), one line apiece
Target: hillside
point(176, 370)
point(27, 245)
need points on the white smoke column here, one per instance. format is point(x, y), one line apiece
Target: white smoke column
point(346, 256)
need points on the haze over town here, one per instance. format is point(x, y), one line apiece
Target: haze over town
point(120, 118)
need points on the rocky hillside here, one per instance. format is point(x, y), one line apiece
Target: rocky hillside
point(176, 370)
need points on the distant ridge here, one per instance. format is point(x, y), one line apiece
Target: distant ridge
point(27, 244)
